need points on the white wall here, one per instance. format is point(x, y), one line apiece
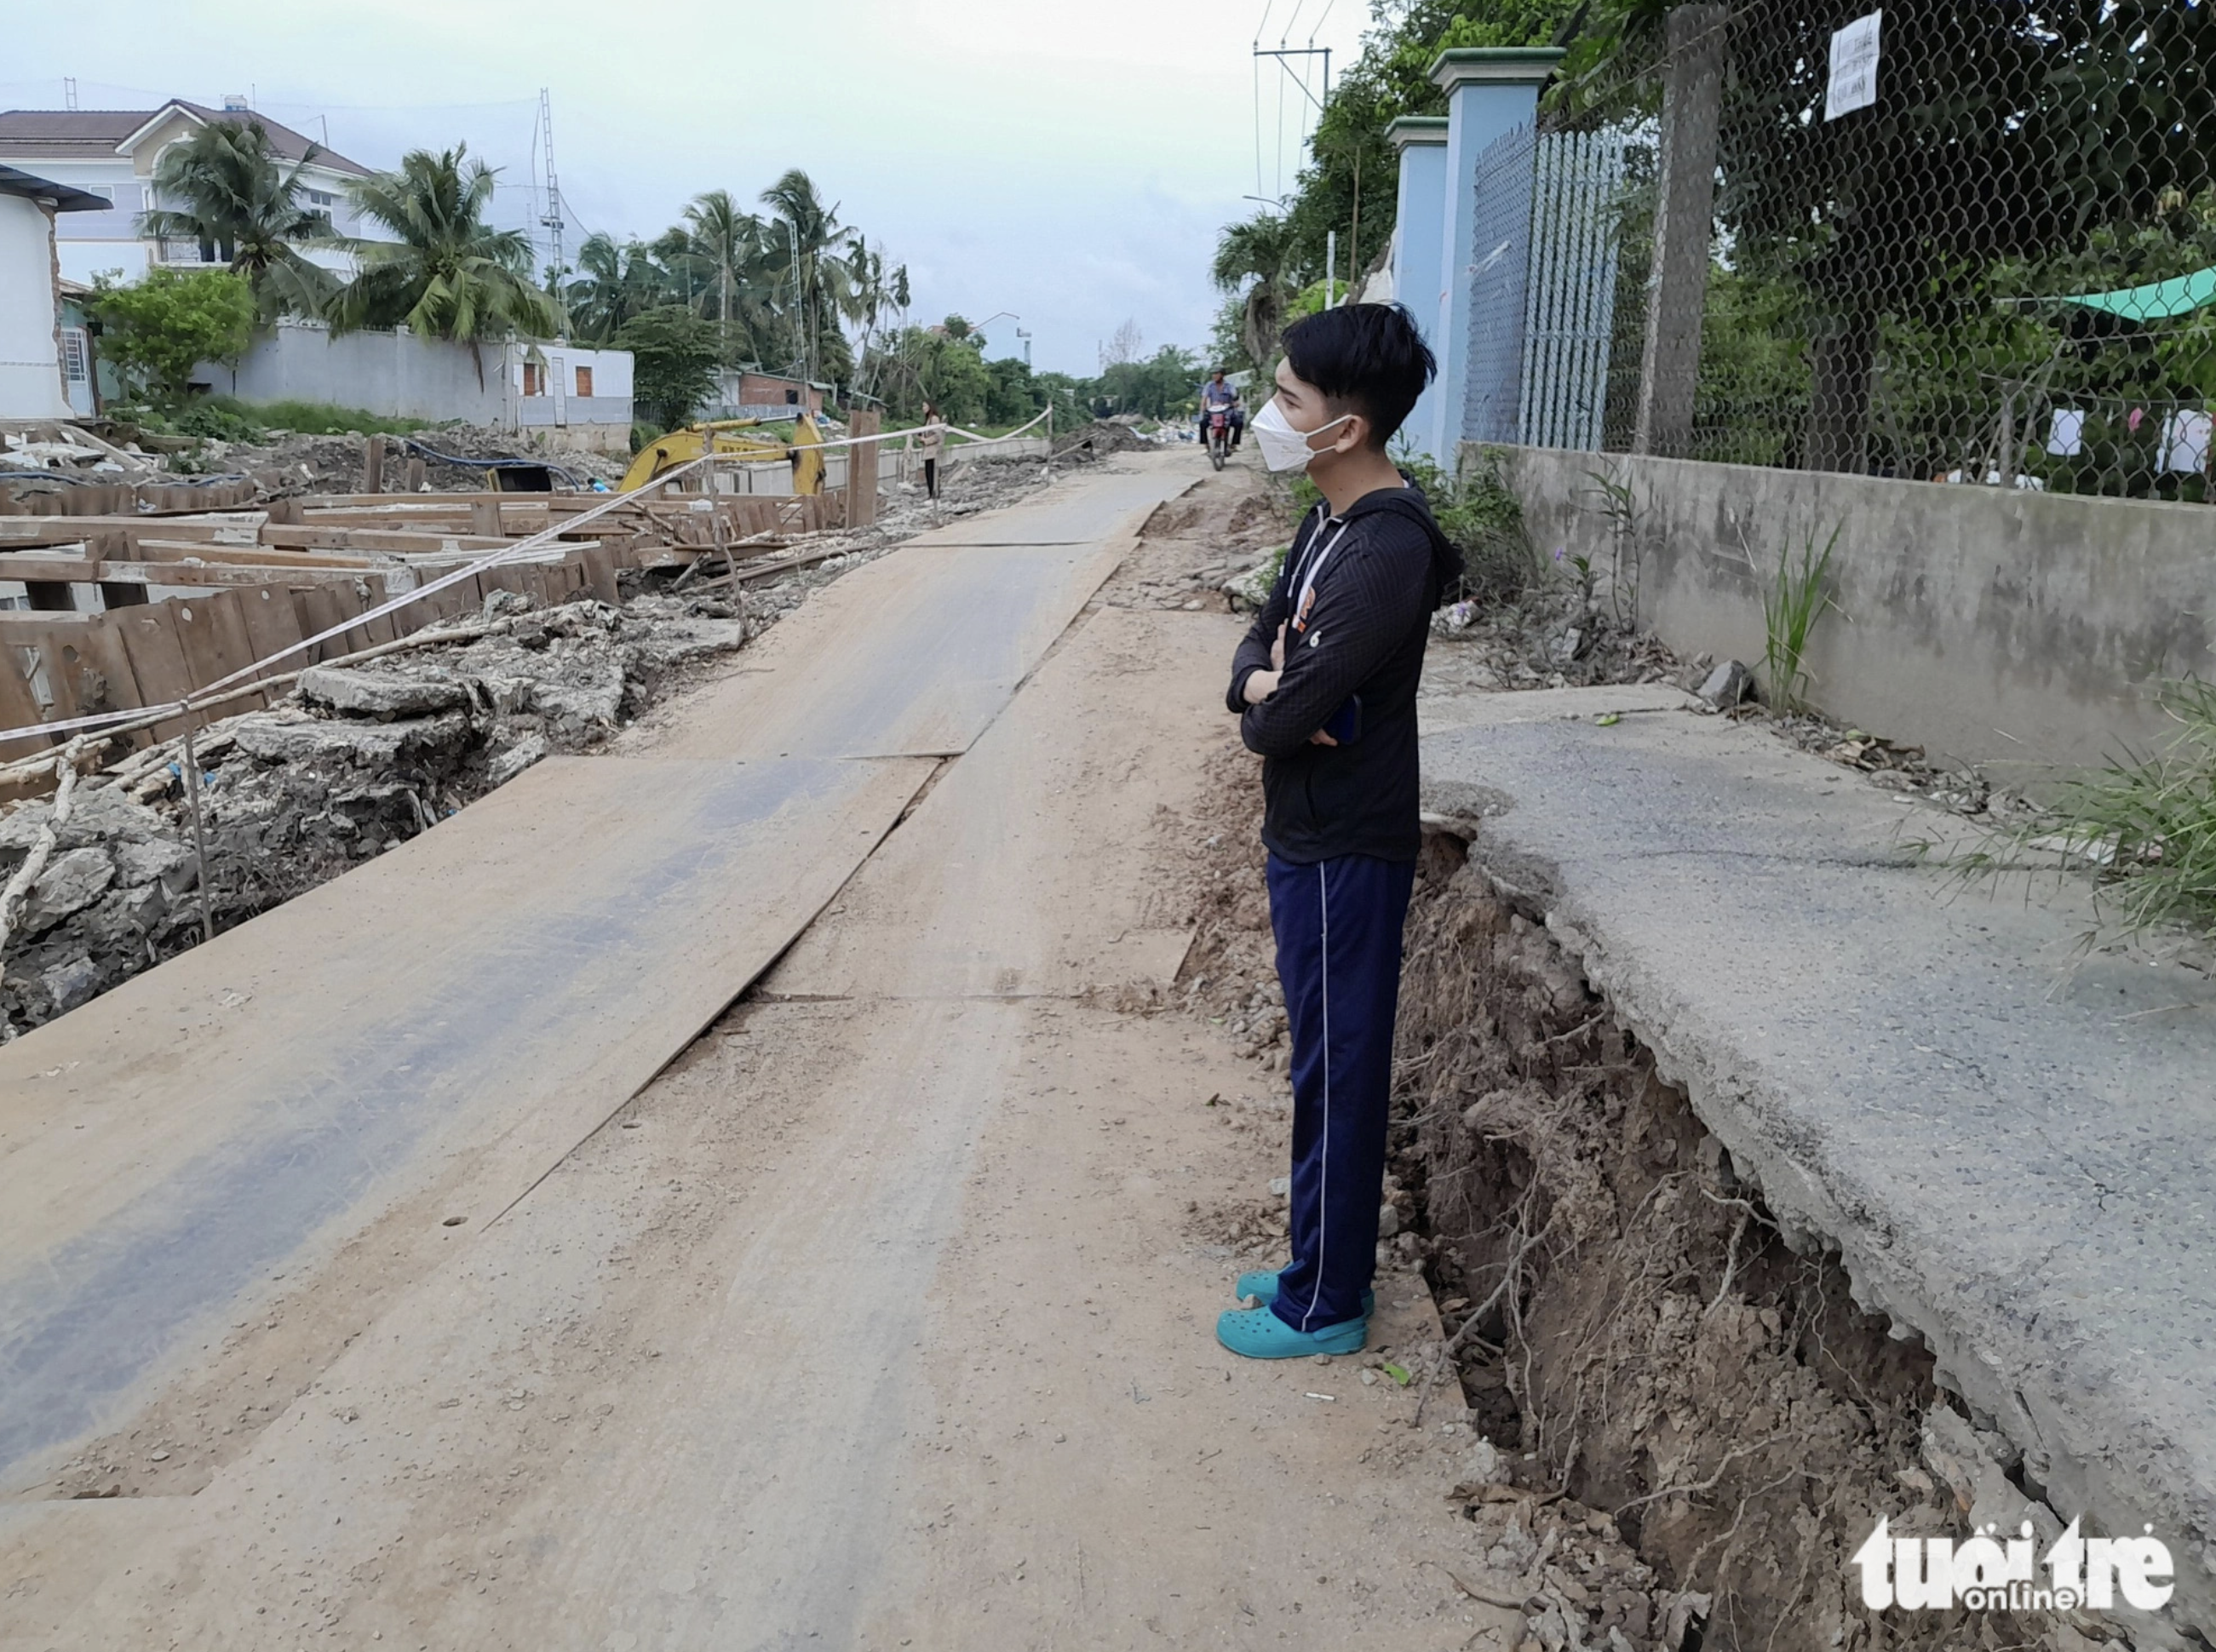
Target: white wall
point(394, 374)
point(399, 376)
point(30, 374)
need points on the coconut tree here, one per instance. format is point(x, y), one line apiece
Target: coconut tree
point(228, 194)
point(725, 238)
point(597, 299)
point(1255, 259)
point(614, 283)
point(871, 292)
point(447, 273)
point(807, 235)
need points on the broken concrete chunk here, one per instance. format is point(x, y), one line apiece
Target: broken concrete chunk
point(122, 919)
point(573, 707)
point(371, 694)
point(157, 859)
point(71, 881)
point(103, 813)
point(1388, 1221)
point(1961, 1456)
point(1485, 1465)
point(512, 762)
point(1251, 589)
point(506, 695)
point(366, 743)
point(1728, 685)
point(70, 984)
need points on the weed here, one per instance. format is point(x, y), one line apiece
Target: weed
point(2146, 825)
point(1619, 505)
point(1791, 606)
point(317, 418)
point(1583, 566)
point(225, 418)
point(1482, 517)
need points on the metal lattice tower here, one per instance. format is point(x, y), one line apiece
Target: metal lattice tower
point(552, 218)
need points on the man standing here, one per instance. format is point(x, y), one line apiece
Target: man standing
point(1325, 687)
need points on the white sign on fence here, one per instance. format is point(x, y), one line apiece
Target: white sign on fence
point(1853, 67)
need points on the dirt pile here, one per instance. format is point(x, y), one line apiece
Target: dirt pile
point(990, 481)
point(1100, 439)
point(359, 759)
point(1194, 549)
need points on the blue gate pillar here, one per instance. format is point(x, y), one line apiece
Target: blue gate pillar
point(1491, 91)
point(1418, 262)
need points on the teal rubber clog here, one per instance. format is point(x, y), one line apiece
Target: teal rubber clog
point(1258, 1334)
point(1263, 1287)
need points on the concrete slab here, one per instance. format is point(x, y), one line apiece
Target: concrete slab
point(442, 1016)
point(2011, 1142)
point(918, 651)
point(939, 911)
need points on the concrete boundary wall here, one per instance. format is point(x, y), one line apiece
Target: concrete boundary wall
point(1988, 625)
point(396, 374)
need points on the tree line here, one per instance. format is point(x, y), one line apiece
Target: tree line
point(788, 289)
point(1884, 287)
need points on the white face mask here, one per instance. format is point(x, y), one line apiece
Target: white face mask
point(1282, 447)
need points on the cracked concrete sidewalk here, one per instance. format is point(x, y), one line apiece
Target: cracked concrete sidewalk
point(2010, 1136)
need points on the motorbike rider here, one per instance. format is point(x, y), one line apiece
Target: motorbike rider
point(1219, 393)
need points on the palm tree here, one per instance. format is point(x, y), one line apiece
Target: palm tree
point(447, 274)
point(871, 293)
point(232, 197)
point(614, 284)
point(807, 235)
point(1257, 254)
point(597, 300)
point(724, 239)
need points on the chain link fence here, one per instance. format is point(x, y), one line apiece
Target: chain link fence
point(1969, 243)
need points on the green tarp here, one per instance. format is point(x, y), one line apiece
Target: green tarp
point(2157, 300)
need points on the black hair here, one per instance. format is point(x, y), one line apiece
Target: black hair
point(1369, 359)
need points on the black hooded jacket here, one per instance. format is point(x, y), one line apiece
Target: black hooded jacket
point(1363, 636)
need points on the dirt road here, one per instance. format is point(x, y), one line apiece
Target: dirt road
point(882, 1319)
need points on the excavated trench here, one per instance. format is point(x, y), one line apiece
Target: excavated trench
point(1630, 1328)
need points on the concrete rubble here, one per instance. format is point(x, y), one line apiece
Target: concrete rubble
point(357, 761)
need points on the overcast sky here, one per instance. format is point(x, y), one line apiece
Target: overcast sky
point(1071, 163)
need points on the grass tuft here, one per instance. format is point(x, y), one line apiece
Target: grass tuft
point(1795, 600)
point(2145, 826)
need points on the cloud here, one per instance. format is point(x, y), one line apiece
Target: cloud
point(1071, 162)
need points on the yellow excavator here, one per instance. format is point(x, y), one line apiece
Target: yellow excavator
point(804, 453)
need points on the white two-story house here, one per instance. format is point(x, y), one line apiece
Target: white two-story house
point(112, 154)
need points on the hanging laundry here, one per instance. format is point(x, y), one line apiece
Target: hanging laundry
point(2185, 442)
point(2065, 438)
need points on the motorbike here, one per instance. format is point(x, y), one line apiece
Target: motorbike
point(1219, 436)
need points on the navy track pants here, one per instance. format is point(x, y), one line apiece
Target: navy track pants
point(1338, 924)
